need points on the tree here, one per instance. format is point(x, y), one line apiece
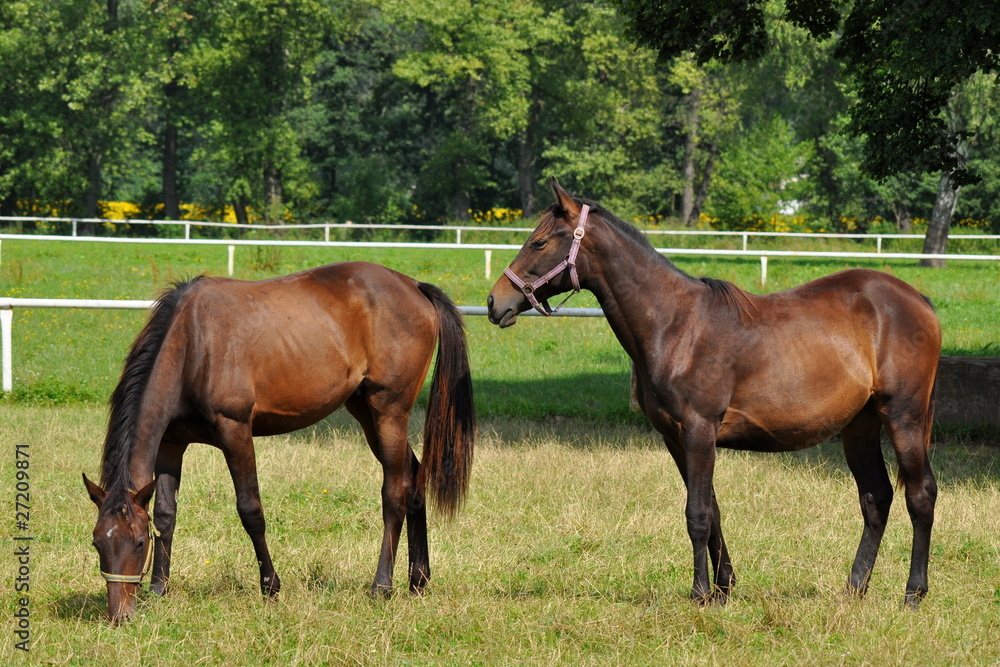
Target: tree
point(905, 59)
point(76, 82)
point(480, 61)
point(707, 115)
point(609, 121)
point(250, 71)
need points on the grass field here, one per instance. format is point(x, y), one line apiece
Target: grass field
point(572, 548)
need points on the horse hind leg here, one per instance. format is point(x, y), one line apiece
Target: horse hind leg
point(908, 422)
point(861, 438)
point(722, 566)
point(387, 438)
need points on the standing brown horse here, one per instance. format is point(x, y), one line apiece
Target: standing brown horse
point(221, 360)
point(718, 367)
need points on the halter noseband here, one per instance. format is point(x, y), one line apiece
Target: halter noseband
point(528, 289)
point(135, 578)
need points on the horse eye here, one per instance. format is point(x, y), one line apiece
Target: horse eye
point(538, 245)
point(140, 544)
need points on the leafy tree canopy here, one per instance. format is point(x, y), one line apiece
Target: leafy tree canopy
point(905, 60)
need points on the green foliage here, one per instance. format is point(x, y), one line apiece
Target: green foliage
point(749, 186)
point(905, 59)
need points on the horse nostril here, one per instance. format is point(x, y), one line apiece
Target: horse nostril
point(489, 302)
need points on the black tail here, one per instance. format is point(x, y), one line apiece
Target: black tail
point(450, 424)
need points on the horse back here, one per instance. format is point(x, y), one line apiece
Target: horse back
point(285, 352)
point(812, 356)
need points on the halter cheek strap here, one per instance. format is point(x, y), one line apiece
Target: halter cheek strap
point(135, 578)
point(528, 289)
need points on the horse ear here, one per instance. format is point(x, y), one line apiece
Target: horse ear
point(142, 496)
point(97, 494)
point(563, 198)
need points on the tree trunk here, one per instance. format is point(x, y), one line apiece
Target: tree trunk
point(171, 205)
point(460, 205)
point(273, 192)
point(9, 204)
point(690, 146)
point(240, 209)
point(706, 178)
point(92, 197)
point(936, 240)
point(904, 217)
point(525, 177)
point(526, 157)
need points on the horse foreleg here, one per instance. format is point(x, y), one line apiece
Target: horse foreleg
point(237, 445)
point(701, 511)
point(168, 480)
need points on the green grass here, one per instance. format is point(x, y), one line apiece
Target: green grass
point(568, 367)
point(571, 550)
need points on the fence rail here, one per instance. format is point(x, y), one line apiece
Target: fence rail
point(458, 229)
point(488, 249)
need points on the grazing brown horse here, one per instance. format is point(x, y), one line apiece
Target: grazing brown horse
point(221, 360)
point(718, 367)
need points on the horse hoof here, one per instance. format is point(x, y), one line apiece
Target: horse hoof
point(913, 598)
point(418, 580)
point(380, 591)
point(270, 586)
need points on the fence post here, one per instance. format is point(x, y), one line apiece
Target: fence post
point(74, 228)
point(232, 252)
point(326, 234)
point(458, 237)
point(763, 270)
point(187, 231)
point(6, 322)
point(878, 245)
point(489, 260)
point(745, 235)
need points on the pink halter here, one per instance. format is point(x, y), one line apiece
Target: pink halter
point(529, 288)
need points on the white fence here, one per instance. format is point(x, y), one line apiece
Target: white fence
point(458, 229)
point(7, 306)
point(488, 249)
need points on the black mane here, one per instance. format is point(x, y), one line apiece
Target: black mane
point(725, 293)
point(127, 396)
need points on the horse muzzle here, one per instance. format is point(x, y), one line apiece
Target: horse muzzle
point(122, 602)
point(500, 314)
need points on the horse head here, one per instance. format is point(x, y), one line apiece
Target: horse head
point(546, 264)
point(124, 542)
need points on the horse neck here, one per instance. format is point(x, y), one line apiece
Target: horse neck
point(639, 291)
point(139, 418)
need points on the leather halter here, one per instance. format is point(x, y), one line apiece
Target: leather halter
point(135, 578)
point(528, 289)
